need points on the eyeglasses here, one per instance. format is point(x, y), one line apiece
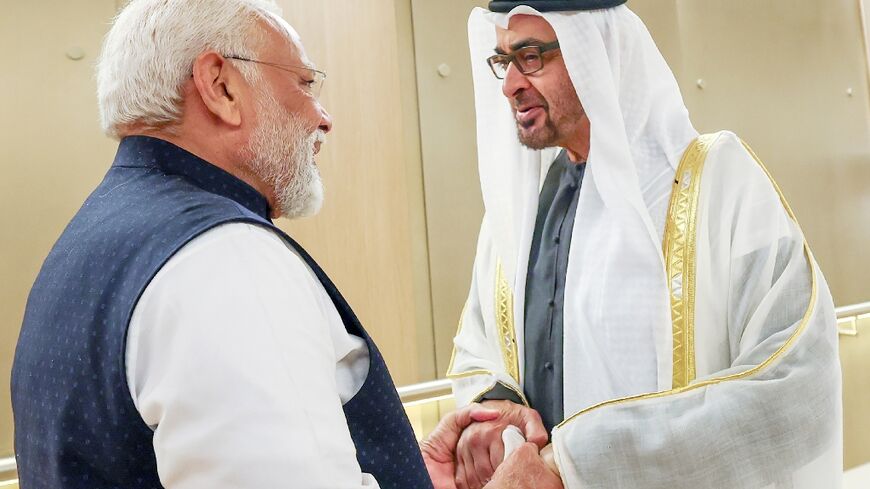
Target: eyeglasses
point(313, 83)
point(527, 59)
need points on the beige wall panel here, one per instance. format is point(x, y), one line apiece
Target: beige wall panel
point(416, 202)
point(51, 149)
point(454, 206)
point(371, 170)
point(779, 73)
point(661, 20)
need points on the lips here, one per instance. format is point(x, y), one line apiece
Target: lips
point(319, 139)
point(526, 116)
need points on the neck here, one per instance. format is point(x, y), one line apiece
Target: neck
point(578, 152)
point(215, 156)
point(578, 146)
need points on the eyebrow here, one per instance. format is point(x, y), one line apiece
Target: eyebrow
point(522, 43)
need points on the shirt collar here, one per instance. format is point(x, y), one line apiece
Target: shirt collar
point(145, 151)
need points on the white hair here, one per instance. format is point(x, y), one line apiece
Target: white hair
point(149, 52)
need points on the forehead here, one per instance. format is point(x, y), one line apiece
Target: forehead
point(522, 28)
point(283, 42)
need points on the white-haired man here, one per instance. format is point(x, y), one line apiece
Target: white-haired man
point(174, 336)
point(645, 289)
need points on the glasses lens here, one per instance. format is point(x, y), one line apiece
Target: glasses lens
point(528, 59)
point(499, 65)
point(318, 84)
point(313, 81)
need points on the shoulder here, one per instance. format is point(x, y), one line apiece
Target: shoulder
point(733, 174)
point(236, 260)
point(739, 197)
point(238, 246)
point(731, 160)
point(236, 273)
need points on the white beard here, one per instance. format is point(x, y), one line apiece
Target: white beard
point(282, 156)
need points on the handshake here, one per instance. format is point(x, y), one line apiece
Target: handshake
point(467, 451)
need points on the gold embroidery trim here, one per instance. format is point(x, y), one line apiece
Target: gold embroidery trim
point(504, 320)
point(472, 373)
point(450, 373)
point(802, 326)
point(505, 325)
point(678, 247)
point(468, 373)
point(511, 388)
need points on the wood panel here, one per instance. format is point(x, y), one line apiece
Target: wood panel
point(367, 236)
point(454, 206)
point(51, 149)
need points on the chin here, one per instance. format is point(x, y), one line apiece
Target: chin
point(536, 143)
point(537, 138)
point(307, 203)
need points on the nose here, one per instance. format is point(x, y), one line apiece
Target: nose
point(325, 121)
point(513, 82)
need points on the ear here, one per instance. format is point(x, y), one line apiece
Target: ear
point(219, 86)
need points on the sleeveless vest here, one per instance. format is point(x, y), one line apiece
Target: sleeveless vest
point(76, 426)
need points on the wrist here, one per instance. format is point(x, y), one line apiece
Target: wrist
point(549, 456)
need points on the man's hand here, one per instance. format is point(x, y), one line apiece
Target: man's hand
point(525, 469)
point(480, 449)
point(439, 448)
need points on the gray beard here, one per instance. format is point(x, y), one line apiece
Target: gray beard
point(544, 138)
point(282, 156)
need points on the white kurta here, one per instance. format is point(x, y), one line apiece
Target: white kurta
point(764, 408)
point(239, 361)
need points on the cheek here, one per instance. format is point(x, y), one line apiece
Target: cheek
point(304, 107)
point(309, 114)
point(563, 100)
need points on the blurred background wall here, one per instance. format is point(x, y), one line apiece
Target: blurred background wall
point(403, 206)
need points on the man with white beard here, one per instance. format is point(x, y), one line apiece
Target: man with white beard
point(645, 288)
point(174, 336)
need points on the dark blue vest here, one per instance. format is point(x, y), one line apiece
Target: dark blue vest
point(75, 422)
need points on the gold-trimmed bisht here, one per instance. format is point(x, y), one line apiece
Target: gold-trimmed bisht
point(785, 347)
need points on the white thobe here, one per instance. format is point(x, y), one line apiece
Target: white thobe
point(240, 363)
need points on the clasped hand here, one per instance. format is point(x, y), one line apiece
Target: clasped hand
point(466, 450)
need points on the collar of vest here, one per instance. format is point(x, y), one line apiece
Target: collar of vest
point(149, 152)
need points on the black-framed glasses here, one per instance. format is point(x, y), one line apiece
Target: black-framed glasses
point(528, 59)
point(313, 83)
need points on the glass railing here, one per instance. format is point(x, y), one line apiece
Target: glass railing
point(8, 477)
point(426, 403)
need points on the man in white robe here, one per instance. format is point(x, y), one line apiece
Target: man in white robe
point(698, 343)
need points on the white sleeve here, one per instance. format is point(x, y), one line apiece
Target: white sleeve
point(231, 362)
point(477, 365)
